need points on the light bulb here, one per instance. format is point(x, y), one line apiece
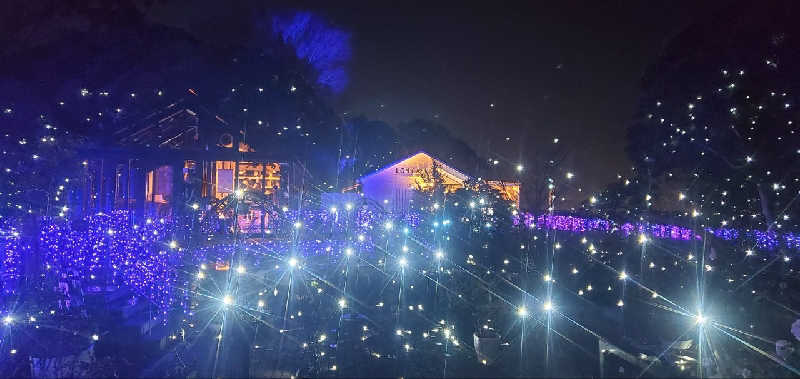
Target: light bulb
point(700, 319)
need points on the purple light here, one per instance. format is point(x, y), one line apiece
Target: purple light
point(13, 249)
point(108, 250)
point(763, 240)
point(725, 234)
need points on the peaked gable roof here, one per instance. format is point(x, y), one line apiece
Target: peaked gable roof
point(176, 125)
point(447, 168)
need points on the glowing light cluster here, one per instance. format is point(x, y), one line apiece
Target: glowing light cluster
point(769, 240)
point(133, 255)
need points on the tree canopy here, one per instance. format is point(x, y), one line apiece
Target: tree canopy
point(717, 122)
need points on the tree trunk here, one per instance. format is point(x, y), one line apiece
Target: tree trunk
point(765, 210)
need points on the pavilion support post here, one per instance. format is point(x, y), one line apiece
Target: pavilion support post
point(129, 179)
point(120, 182)
point(178, 188)
point(235, 176)
point(84, 192)
point(264, 177)
point(95, 195)
point(102, 184)
point(263, 217)
point(601, 354)
point(139, 180)
point(109, 185)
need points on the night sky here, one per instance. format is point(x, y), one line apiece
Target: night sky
point(565, 69)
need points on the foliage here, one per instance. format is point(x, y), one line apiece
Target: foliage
point(38, 163)
point(470, 226)
point(543, 167)
point(435, 138)
point(319, 44)
point(716, 124)
point(367, 145)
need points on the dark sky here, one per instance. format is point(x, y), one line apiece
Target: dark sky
point(564, 69)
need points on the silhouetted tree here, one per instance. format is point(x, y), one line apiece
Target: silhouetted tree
point(367, 145)
point(717, 121)
point(436, 139)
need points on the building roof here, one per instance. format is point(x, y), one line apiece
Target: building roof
point(175, 126)
point(172, 130)
point(447, 168)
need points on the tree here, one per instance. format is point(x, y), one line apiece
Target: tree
point(436, 139)
point(544, 168)
point(367, 145)
point(718, 118)
point(715, 144)
point(315, 41)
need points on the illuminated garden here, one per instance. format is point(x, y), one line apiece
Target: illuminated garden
point(187, 210)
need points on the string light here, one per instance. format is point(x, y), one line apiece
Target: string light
point(367, 229)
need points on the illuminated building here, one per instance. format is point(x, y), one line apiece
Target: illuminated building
point(174, 157)
point(393, 185)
